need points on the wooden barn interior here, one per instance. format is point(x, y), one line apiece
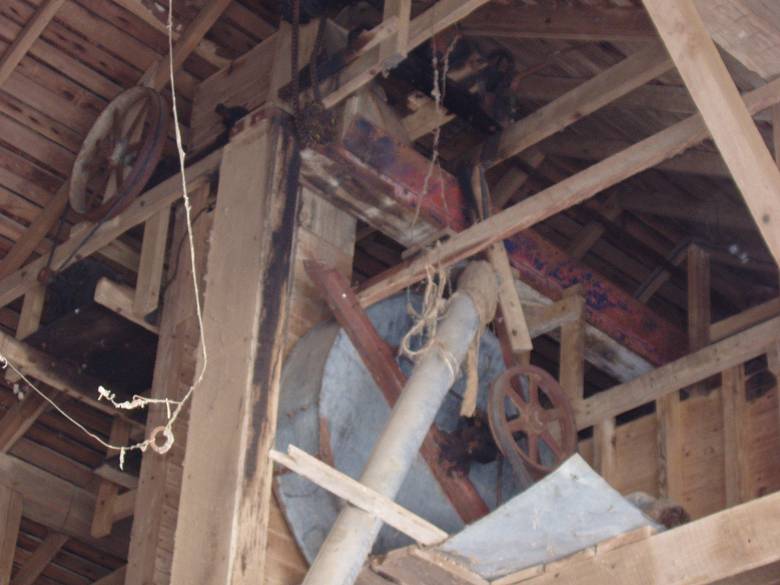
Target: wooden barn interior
point(570, 203)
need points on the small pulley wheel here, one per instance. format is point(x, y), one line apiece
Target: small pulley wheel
point(119, 154)
point(532, 421)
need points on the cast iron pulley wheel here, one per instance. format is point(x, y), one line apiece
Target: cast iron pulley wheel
point(531, 420)
point(119, 154)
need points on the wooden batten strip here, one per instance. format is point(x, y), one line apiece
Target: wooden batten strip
point(360, 496)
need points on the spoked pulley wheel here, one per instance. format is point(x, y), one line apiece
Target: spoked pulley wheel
point(119, 154)
point(532, 421)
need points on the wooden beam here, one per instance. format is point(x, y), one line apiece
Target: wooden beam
point(697, 366)
point(120, 299)
point(26, 37)
point(56, 504)
point(29, 572)
point(695, 162)
point(150, 268)
point(706, 551)
point(562, 22)
point(57, 374)
point(572, 359)
point(744, 320)
point(716, 96)
point(158, 75)
point(145, 206)
point(380, 361)
point(734, 446)
point(552, 200)
point(159, 483)
point(226, 487)
point(604, 449)
point(10, 519)
point(618, 80)
point(354, 492)
point(438, 17)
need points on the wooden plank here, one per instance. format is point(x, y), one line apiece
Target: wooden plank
point(694, 367)
point(159, 483)
point(29, 572)
point(378, 358)
point(354, 492)
point(154, 200)
point(150, 269)
point(225, 494)
point(25, 39)
point(512, 314)
point(119, 298)
point(716, 96)
point(618, 80)
point(735, 450)
point(552, 200)
point(10, 519)
point(576, 23)
point(747, 318)
point(722, 545)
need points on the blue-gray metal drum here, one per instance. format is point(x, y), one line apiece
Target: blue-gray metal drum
point(331, 407)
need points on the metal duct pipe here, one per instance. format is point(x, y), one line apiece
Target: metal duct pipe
point(349, 542)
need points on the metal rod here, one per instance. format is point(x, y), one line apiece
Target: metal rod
point(352, 536)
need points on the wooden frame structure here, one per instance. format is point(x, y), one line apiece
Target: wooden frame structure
point(215, 495)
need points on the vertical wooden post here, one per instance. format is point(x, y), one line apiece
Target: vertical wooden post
point(734, 449)
point(671, 434)
point(604, 449)
point(159, 487)
point(150, 268)
point(572, 362)
point(103, 519)
point(221, 535)
point(10, 519)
